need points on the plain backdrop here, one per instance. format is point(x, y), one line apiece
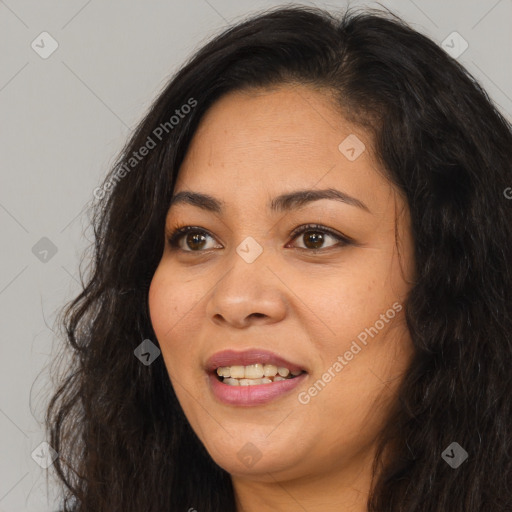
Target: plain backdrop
point(64, 119)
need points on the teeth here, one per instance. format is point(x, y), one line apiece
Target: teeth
point(269, 370)
point(237, 372)
point(283, 372)
point(250, 382)
point(224, 371)
point(254, 374)
point(254, 371)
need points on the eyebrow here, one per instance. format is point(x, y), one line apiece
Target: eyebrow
point(281, 203)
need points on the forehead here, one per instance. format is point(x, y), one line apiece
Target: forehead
point(293, 121)
point(279, 139)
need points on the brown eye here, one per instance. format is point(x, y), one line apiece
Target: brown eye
point(195, 239)
point(313, 239)
point(314, 236)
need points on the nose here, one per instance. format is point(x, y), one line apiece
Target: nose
point(248, 293)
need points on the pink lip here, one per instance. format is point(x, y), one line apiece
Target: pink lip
point(247, 396)
point(247, 357)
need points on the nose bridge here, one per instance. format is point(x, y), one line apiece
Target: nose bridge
point(251, 237)
point(248, 287)
point(248, 273)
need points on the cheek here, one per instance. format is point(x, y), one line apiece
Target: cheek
point(340, 308)
point(174, 308)
point(161, 303)
point(167, 310)
point(170, 303)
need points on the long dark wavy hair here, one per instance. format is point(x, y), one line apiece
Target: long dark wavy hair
point(123, 441)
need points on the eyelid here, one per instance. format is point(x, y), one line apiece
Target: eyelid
point(342, 239)
point(177, 232)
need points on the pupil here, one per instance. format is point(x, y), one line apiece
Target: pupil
point(316, 238)
point(193, 237)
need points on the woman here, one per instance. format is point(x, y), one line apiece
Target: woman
point(301, 293)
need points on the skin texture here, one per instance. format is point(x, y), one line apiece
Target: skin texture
point(307, 307)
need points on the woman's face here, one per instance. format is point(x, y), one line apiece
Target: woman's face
point(244, 282)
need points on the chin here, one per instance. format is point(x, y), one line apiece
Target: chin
point(256, 459)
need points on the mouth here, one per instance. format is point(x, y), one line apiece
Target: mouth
point(252, 377)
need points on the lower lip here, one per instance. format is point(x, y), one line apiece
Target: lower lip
point(258, 394)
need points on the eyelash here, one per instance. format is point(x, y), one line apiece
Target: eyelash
point(177, 232)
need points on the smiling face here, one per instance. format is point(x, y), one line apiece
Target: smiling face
point(328, 300)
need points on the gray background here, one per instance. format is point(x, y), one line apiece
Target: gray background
point(64, 119)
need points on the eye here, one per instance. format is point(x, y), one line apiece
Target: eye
point(193, 236)
point(314, 236)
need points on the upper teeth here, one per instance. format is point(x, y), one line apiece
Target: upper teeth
point(254, 371)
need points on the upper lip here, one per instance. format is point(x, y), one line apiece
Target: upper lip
point(247, 357)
